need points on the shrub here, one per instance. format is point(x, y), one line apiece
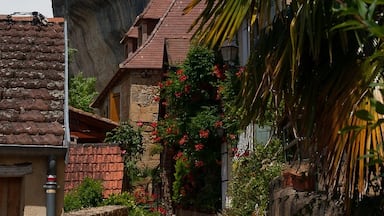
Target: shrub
point(251, 176)
point(128, 200)
point(72, 201)
point(88, 194)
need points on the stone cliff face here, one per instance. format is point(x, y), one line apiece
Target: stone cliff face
point(95, 28)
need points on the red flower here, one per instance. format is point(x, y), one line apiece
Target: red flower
point(156, 98)
point(217, 72)
point(179, 72)
point(164, 103)
point(204, 133)
point(157, 139)
point(199, 147)
point(139, 123)
point(234, 150)
point(218, 124)
point(154, 133)
point(168, 82)
point(183, 78)
point(240, 72)
point(178, 94)
point(169, 130)
point(161, 85)
point(160, 210)
point(199, 163)
point(178, 156)
point(154, 124)
point(246, 153)
point(183, 140)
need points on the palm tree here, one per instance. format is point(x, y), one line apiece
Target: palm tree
point(316, 59)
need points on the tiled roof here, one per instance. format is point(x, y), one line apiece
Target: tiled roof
point(32, 81)
point(172, 25)
point(133, 32)
point(155, 9)
point(176, 50)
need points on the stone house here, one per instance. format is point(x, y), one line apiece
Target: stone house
point(158, 39)
point(33, 140)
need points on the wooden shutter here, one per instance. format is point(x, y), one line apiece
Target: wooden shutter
point(114, 107)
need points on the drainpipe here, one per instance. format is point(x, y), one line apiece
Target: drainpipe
point(51, 186)
point(66, 77)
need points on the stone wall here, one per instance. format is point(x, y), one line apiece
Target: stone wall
point(143, 108)
point(295, 193)
point(100, 211)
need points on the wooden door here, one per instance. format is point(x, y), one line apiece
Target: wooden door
point(10, 196)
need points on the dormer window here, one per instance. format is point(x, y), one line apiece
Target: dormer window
point(145, 29)
point(130, 46)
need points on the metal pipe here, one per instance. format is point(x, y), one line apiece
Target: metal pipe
point(51, 186)
point(66, 94)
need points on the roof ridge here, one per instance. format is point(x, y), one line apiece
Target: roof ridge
point(155, 30)
point(29, 18)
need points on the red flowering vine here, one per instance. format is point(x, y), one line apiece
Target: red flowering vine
point(204, 133)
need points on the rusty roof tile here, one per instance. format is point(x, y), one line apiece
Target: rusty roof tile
point(32, 81)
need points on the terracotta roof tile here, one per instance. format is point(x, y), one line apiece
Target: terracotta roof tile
point(32, 81)
point(155, 9)
point(172, 25)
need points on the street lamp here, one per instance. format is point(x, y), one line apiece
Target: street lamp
point(229, 51)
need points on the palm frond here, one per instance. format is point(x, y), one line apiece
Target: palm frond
point(316, 59)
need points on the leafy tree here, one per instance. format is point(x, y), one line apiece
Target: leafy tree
point(82, 91)
point(315, 59)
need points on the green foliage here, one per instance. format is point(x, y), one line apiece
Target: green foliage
point(195, 126)
point(88, 194)
point(125, 199)
point(72, 201)
point(82, 91)
point(130, 141)
point(128, 200)
point(251, 177)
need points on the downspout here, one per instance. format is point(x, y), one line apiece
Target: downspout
point(66, 82)
point(51, 186)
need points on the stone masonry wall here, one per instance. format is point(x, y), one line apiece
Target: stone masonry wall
point(143, 108)
point(100, 211)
